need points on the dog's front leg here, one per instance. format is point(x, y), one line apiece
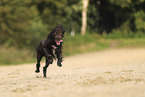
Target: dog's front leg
point(59, 56)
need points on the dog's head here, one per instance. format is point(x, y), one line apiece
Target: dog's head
point(58, 34)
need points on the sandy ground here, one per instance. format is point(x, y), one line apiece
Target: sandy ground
point(109, 73)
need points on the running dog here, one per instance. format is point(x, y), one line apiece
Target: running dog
point(51, 48)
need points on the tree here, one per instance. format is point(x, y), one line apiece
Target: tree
point(84, 16)
point(66, 12)
point(16, 18)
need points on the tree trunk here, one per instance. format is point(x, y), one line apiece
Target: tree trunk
point(84, 17)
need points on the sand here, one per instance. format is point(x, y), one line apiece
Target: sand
point(108, 73)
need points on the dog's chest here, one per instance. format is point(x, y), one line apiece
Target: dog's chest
point(53, 49)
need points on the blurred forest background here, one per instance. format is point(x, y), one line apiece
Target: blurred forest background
point(24, 23)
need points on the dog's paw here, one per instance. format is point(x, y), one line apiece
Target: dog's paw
point(37, 71)
point(59, 64)
point(44, 76)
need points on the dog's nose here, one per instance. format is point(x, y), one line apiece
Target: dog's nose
point(58, 37)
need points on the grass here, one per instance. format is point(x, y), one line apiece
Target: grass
point(81, 44)
point(72, 45)
point(136, 42)
point(14, 56)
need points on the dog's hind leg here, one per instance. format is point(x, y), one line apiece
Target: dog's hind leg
point(49, 60)
point(39, 57)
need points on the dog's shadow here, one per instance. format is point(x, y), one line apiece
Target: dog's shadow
point(40, 76)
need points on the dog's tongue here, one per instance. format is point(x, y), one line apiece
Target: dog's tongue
point(58, 42)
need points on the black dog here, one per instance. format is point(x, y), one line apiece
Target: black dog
point(51, 48)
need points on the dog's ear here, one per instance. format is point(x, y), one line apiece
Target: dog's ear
point(51, 34)
point(62, 28)
point(64, 31)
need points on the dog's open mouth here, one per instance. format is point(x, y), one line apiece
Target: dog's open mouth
point(58, 41)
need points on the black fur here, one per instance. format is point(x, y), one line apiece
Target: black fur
point(51, 48)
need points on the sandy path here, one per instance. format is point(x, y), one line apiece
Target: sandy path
point(109, 73)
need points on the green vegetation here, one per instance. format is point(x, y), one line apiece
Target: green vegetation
point(110, 23)
point(72, 45)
